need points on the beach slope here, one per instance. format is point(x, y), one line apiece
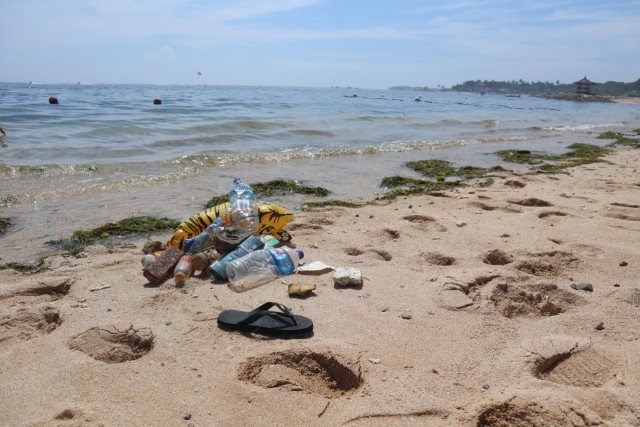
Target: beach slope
point(468, 315)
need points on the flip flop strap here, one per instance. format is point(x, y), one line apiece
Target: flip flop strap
point(263, 310)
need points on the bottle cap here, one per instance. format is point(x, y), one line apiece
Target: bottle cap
point(300, 254)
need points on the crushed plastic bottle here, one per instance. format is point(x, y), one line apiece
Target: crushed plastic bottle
point(262, 266)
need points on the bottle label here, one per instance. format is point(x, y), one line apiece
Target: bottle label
point(283, 261)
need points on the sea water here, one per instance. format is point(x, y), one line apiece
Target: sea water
point(106, 152)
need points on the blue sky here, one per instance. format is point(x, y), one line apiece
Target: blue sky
point(358, 43)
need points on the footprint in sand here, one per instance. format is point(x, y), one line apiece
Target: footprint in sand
point(544, 410)
point(487, 207)
point(532, 300)
point(322, 373)
point(497, 257)
point(629, 296)
point(389, 233)
point(112, 345)
point(379, 253)
point(514, 183)
point(29, 322)
point(547, 264)
point(579, 368)
point(436, 258)
point(625, 205)
point(425, 223)
point(531, 201)
point(303, 226)
point(38, 292)
point(353, 251)
point(546, 214)
point(621, 214)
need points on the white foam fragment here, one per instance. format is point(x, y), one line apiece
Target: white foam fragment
point(347, 276)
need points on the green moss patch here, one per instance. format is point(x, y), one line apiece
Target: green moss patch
point(277, 187)
point(129, 226)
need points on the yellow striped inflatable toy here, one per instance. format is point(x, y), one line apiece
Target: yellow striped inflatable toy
point(272, 219)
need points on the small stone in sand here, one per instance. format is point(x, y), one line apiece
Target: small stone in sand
point(623, 263)
point(461, 224)
point(582, 287)
point(600, 326)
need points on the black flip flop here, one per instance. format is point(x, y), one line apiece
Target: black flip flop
point(265, 322)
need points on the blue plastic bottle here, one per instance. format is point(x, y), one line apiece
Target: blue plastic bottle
point(219, 268)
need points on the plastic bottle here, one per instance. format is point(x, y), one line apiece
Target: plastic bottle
point(219, 268)
point(200, 261)
point(243, 208)
point(183, 269)
point(262, 266)
point(204, 240)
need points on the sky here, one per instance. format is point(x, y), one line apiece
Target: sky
point(318, 43)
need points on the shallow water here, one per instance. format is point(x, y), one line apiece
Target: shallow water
point(105, 152)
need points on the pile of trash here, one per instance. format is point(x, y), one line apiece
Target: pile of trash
point(240, 242)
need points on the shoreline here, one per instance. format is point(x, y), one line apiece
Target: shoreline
point(466, 317)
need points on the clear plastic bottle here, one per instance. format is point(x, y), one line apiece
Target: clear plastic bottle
point(219, 268)
point(243, 208)
point(204, 240)
point(262, 266)
point(183, 270)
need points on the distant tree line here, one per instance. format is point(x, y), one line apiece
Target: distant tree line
point(521, 87)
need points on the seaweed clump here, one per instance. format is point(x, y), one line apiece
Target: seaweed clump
point(525, 157)
point(346, 204)
point(578, 154)
point(273, 188)
point(440, 170)
point(127, 227)
point(621, 139)
point(25, 268)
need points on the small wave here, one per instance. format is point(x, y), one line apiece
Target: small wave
point(584, 127)
point(312, 153)
point(21, 171)
point(311, 132)
point(104, 182)
point(375, 118)
point(487, 123)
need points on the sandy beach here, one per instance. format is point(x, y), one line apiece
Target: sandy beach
point(466, 317)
